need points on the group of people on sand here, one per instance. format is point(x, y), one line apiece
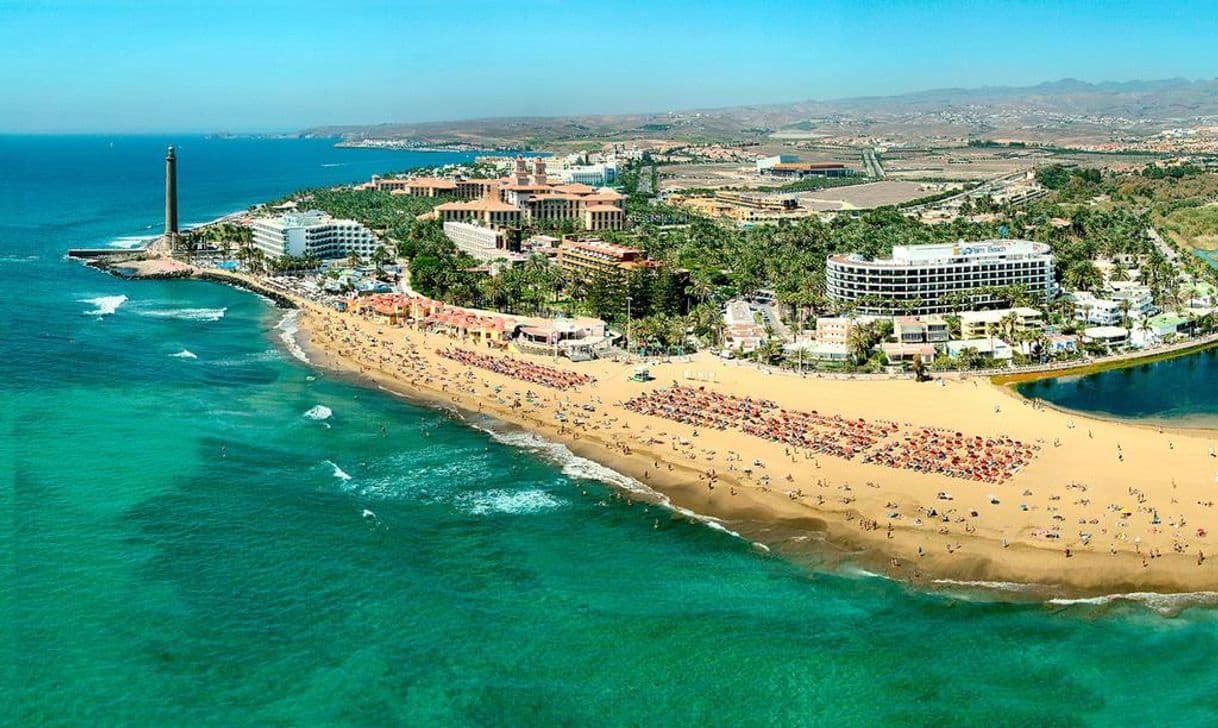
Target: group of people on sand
point(700, 407)
point(926, 450)
point(829, 435)
point(518, 369)
point(938, 450)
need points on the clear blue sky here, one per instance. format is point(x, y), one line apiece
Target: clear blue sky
point(154, 65)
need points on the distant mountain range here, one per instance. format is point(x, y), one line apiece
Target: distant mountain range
point(1047, 112)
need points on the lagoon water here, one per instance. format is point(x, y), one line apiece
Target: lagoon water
point(197, 528)
point(1177, 391)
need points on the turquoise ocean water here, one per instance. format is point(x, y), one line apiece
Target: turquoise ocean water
point(181, 545)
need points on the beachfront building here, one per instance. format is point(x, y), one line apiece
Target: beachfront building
point(1133, 301)
point(1157, 329)
point(805, 350)
point(1110, 336)
point(917, 330)
point(1060, 344)
point(312, 234)
point(589, 256)
point(578, 339)
point(898, 352)
point(741, 330)
point(925, 279)
point(988, 347)
point(976, 324)
point(834, 329)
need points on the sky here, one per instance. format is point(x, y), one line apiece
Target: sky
point(156, 66)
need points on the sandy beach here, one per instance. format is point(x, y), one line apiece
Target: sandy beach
point(956, 479)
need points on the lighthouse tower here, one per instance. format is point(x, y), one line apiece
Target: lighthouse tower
point(171, 198)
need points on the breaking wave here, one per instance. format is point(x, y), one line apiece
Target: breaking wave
point(1006, 586)
point(574, 466)
point(507, 501)
point(1164, 604)
point(338, 472)
point(188, 314)
point(318, 412)
point(185, 354)
point(103, 305)
point(287, 327)
point(130, 242)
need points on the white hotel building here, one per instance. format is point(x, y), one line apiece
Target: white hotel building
point(484, 244)
point(313, 233)
point(926, 274)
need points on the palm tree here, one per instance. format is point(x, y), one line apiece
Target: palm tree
point(1009, 323)
point(1063, 306)
point(1083, 275)
point(380, 256)
point(1145, 327)
point(770, 351)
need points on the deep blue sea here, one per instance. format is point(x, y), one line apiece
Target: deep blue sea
point(183, 537)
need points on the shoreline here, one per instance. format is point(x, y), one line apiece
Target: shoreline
point(888, 531)
point(1119, 361)
point(784, 523)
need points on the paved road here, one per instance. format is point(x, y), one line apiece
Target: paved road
point(770, 316)
point(1167, 250)
point(871, 164)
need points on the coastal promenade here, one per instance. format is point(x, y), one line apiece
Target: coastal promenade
point(1013, 374)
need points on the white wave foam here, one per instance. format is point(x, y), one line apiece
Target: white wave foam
point(507, 501)
point(103, 305)
point(574, 466)
point(1166, 604)
point(287, 328)
point(129, 242)
point(188, 314)
point(1007, 586)
point(247, 359)
point(185, 354)
point(319, 412)
point(338, 472)
point(18, 258)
